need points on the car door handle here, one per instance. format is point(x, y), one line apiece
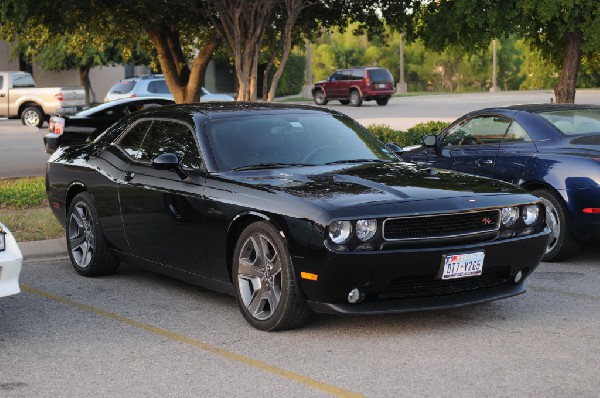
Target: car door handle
point(484, 162)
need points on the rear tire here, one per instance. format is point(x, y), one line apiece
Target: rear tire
point(319, 97)
point(382, 101)
point(562, 244)
point(33, 116)
point(89, 251)
point(264, 281)
point(355, 98)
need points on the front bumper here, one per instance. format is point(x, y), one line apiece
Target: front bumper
point(11, 261)
point(403, 280)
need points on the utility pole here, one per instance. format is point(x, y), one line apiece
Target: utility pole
point(494, 88)
point(306, 90)
point(401, 87)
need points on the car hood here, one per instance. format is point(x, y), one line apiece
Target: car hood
point(375, 184)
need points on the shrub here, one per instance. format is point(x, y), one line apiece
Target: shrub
point(406, 138)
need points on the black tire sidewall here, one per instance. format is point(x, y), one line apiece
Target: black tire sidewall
point(281, 319)
point(566, 245)
point(103, 260)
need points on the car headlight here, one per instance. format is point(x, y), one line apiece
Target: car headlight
point(531, 214)
point(509, 215)
point(366, 229)
point(339, 231)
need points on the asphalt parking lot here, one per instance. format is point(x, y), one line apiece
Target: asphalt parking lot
point(138, 334)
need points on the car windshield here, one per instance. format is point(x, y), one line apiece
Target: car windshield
point(269, 141)
point(574, 121)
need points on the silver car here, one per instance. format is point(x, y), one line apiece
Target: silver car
point(153, 86)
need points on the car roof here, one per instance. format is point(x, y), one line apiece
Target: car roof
point(535, 108)
point(219, 110)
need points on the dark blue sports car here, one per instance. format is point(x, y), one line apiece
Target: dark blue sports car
point(552, 150)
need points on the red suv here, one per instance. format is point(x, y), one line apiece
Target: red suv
point(355, 85)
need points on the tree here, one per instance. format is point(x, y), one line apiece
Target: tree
point(564, 31)
point(179, 30)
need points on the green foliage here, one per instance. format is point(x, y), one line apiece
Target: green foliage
point(292, 78)
point(22, 193)
point(406, 138)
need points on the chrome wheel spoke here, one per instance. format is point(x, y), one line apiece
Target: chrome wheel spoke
point(81, 236)
point(259, 276)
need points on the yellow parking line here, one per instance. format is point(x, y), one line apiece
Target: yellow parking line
point(307, 381)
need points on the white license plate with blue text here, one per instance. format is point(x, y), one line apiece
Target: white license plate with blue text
point(462, 265)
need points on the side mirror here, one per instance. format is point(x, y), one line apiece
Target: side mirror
point(169, 161)
point(429, 141)
point(394, 148)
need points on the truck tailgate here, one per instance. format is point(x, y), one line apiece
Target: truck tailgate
point(72, 97)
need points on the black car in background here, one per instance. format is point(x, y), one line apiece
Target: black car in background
point(88, 124)
point(291, 209)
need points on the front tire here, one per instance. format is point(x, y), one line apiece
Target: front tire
point(265, 285)
point(562, 244)
point(89, 251)
point(33, 116)
point(319, 97)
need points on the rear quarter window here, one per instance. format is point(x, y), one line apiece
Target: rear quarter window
point(123, 87)
point(158, 86)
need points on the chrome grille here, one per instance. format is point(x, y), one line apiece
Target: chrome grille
point(441, 225)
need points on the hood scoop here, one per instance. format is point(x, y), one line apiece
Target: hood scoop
point(322, 178)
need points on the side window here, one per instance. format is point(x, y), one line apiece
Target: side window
point(118, 111)
point(158, 86)
point(336, 76)
point(358, 74)
point(169, 136)
point(516, 133)
point(347, 74)
point(477, 131)
point(131, 141)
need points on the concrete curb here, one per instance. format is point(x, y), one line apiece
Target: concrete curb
point(44, 249)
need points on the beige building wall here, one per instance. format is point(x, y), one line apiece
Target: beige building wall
point(5, 64)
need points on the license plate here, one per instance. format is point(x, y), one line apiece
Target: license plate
point(382, 85)
point(462, 265)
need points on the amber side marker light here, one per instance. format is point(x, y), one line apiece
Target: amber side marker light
point(309, 276)
point(592, 210)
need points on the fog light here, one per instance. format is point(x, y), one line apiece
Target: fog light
point(354, 296)
point(519, 276)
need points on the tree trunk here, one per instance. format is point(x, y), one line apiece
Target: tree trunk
point(243, 25)
point(565, 89)
point(84, 80)
point(184, 84)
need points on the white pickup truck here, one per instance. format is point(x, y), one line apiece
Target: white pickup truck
point(20, 98)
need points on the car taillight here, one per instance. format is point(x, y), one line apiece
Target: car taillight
point(368, 81)
point(133, 96)
point(59, 96)
point(591, 210)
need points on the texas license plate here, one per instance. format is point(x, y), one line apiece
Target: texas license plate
point(462, 265)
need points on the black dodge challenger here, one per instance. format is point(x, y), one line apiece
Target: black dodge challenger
point(291, 209)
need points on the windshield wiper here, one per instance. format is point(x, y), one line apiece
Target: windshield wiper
point(359, 161)
point(268, 166)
